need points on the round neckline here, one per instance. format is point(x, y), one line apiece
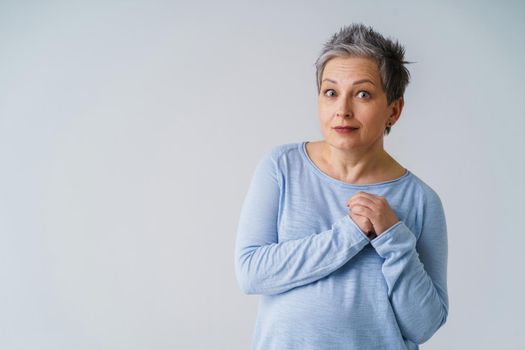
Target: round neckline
point(304, 153)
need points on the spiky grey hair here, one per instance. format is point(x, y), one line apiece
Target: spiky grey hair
point(358, 40)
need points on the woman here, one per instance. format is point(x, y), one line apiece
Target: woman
point(347, 248)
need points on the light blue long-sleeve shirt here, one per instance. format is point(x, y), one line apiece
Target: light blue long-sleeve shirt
point(323, 283)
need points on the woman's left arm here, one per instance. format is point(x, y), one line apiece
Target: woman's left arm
point(416, 271)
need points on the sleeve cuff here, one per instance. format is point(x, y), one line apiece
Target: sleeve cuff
point(353, 229)
point(397, 238)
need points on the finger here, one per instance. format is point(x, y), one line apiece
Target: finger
point(359, 217)
point(362, 195)
point(354, 196)
point(363, 222)
point(361, 210)
point(367, 225)
point(370, 196)
point(361, 201)
point(367, 195)
point(373, 202)
point(378, 200)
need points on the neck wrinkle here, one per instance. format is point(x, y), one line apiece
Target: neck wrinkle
point(356, 167)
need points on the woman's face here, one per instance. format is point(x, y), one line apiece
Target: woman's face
point(352, 95)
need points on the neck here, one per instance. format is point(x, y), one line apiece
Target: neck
point(359, 165)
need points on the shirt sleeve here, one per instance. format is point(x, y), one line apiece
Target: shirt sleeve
point(265, 265)
point(416, 272)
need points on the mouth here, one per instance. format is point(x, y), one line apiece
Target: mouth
point(344, 128)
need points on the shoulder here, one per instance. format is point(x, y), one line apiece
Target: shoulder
point(430, 211)
point(427, 195)
point(288, 152)
point(275, 159)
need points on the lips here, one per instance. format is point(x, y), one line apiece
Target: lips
point(345, 128)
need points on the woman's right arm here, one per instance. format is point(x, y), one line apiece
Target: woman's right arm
point(263, 265)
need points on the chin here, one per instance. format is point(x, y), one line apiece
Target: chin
point(341, 143)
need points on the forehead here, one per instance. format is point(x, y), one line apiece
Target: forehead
point(349, 69)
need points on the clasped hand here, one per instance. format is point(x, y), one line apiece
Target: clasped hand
point(371, 213)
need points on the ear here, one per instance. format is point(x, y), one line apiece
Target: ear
point(396, 108)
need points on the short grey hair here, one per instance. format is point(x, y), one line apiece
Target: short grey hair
point(358, 40)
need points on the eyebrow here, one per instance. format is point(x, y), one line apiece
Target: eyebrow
point(354, 83)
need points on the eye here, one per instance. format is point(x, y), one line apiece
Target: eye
point(363, 94)
point(329, 93)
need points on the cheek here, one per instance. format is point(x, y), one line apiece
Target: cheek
point(324, 118)
point(369, 114)
point(320, 105)
point(324, 111)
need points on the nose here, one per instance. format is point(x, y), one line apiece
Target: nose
point(344, 108)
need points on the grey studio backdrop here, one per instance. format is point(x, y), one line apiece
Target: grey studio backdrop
point(129, 132)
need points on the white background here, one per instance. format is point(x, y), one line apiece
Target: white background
point(129, 132)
